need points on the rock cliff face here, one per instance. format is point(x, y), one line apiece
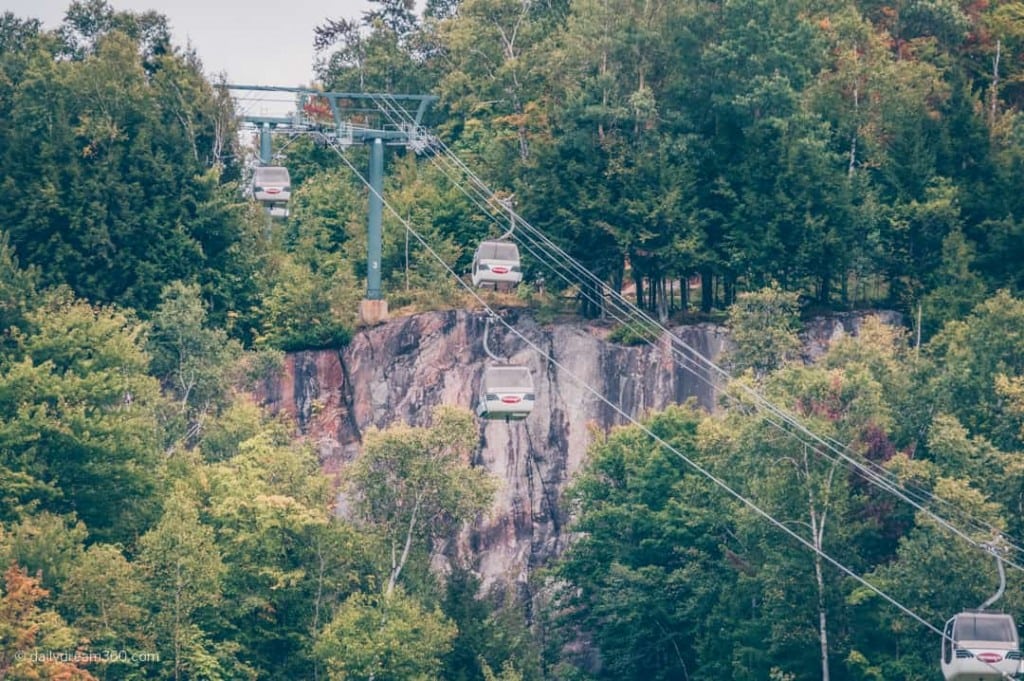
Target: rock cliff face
point(400, 370)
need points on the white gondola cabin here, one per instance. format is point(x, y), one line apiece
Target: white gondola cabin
point(496, 264)
point(272, 186)
point(506, 392)
point(980, 646)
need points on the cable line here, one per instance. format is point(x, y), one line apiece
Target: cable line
point(690, 359)
point(643, 427)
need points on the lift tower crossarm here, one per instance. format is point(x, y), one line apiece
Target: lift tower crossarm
point(336, 100)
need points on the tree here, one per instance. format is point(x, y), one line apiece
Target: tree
point(415, 485)
point(47, 545)
point(443, 218)
point(192, 360)
point(764, 325)
point(288, 560)
point(749, 62)
point(640, 581)
point(967, 356)
point(1012, 389)
point(954, 288)
point(308, 310)
point(882, 351)
point(17, 296)
point(376, 54)
point(104, 596)
point(78, 429)
point(17, 35)
point(921, 233)
point(34, 643)
point(183, 570)
point(487, 46)
point(117, 198)
point(384, 637)
point(494, 632)
point(87, 21)
point(610, 172)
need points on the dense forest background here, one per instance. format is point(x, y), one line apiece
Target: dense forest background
point(784, 158)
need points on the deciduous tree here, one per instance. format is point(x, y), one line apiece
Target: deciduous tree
point(415, 485)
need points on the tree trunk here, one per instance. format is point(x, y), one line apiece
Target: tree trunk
point(177, 620)
point(817, 525)
point(398, 564)
point(822, 616)
point(730, 290)
point(315, 629)
point(662, 301)
point(994, 100)
point(591, 299)
point(707, 290)
point(825, 286)
point(618, 275)
point(853, 138)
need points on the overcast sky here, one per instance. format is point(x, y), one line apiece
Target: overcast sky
point(255, 42)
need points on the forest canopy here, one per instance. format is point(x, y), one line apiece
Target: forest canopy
point(746, 161)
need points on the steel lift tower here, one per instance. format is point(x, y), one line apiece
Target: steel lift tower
point(344, 119)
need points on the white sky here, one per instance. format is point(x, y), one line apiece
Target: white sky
point(255, 42)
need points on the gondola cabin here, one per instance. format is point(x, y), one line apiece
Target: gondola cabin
point(506, 392)
point(980, 646)
point(272, 186)
point(496, 264)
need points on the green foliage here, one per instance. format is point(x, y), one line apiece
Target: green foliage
point(192, 360)
point(492, 634)
point(637, 571)
point(77, 410)
point(17, 294)
point(48, 546)
point(414, 486)
point(880, 353)
point(223, 435)
point(444, 219)
point(376, 56)
point(183, 571)
point(105, 597)
point(119, 193)
point(633, 333)
point(967, 357)
point(508, 673)
point(957, 289)
point(384, 638)
point(287, 561)
point(303, 312)
point(1012, 390)
point(764, 329)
